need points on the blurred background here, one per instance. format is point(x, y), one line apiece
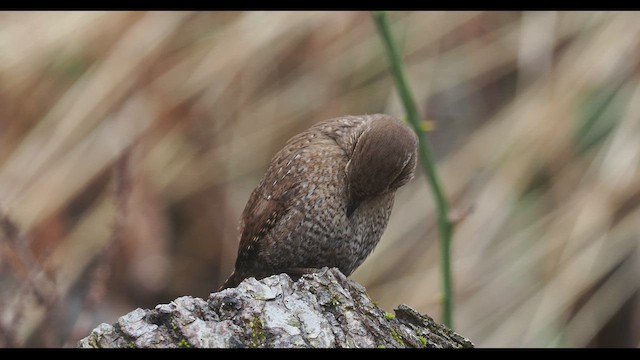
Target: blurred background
point(130, 142)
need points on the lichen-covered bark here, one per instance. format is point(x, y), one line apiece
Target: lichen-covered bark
point(323, 309)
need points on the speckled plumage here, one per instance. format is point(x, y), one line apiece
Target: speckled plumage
point(326, 197)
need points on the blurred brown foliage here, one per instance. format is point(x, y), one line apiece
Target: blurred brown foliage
point(130, 141)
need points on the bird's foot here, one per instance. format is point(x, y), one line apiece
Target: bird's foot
point(297, 272)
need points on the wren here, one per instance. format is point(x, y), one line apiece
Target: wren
point(326, 198)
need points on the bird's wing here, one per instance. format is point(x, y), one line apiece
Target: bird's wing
point(268, 204)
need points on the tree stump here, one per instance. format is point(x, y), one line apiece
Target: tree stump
point(320, 310)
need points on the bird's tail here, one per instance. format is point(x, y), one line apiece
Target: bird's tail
point(232, 281)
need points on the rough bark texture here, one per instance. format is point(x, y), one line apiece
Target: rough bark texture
point(323, 309)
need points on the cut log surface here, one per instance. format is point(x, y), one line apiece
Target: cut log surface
point(320, 310)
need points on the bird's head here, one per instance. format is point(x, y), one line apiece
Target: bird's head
point(383, 159)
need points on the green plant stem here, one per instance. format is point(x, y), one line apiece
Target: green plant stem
point(444, 223)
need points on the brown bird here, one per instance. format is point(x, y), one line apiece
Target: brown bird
point(326, 197)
